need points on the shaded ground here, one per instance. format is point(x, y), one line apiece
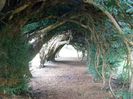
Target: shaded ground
point(65, 80)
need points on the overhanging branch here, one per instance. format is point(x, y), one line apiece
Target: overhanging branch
point(120, 31)
point(44, 31)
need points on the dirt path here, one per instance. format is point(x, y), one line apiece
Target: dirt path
point(65, 80)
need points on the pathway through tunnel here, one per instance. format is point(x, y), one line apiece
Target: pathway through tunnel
point(67, 78)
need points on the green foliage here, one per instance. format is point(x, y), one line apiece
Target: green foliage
point(106, 50)
point(13, 64)
point(124, 94)
point(37, 25)
point(123, 77)
point(121, 9)
point(20, 88)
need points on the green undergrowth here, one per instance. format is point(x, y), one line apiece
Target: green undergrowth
point(14, 71)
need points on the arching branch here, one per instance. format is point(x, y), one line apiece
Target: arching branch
point(44, 31)
point(112, 19)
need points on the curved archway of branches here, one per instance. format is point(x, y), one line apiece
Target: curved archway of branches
point(106, 44)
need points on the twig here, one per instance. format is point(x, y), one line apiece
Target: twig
point(111, 87)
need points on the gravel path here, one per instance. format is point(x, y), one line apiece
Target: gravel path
point(68, 79)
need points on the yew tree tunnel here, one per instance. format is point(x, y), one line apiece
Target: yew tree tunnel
point(26, 26)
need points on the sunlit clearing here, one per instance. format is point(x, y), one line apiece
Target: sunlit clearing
point(69, 51)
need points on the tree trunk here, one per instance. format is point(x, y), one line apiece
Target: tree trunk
point(49, 49)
